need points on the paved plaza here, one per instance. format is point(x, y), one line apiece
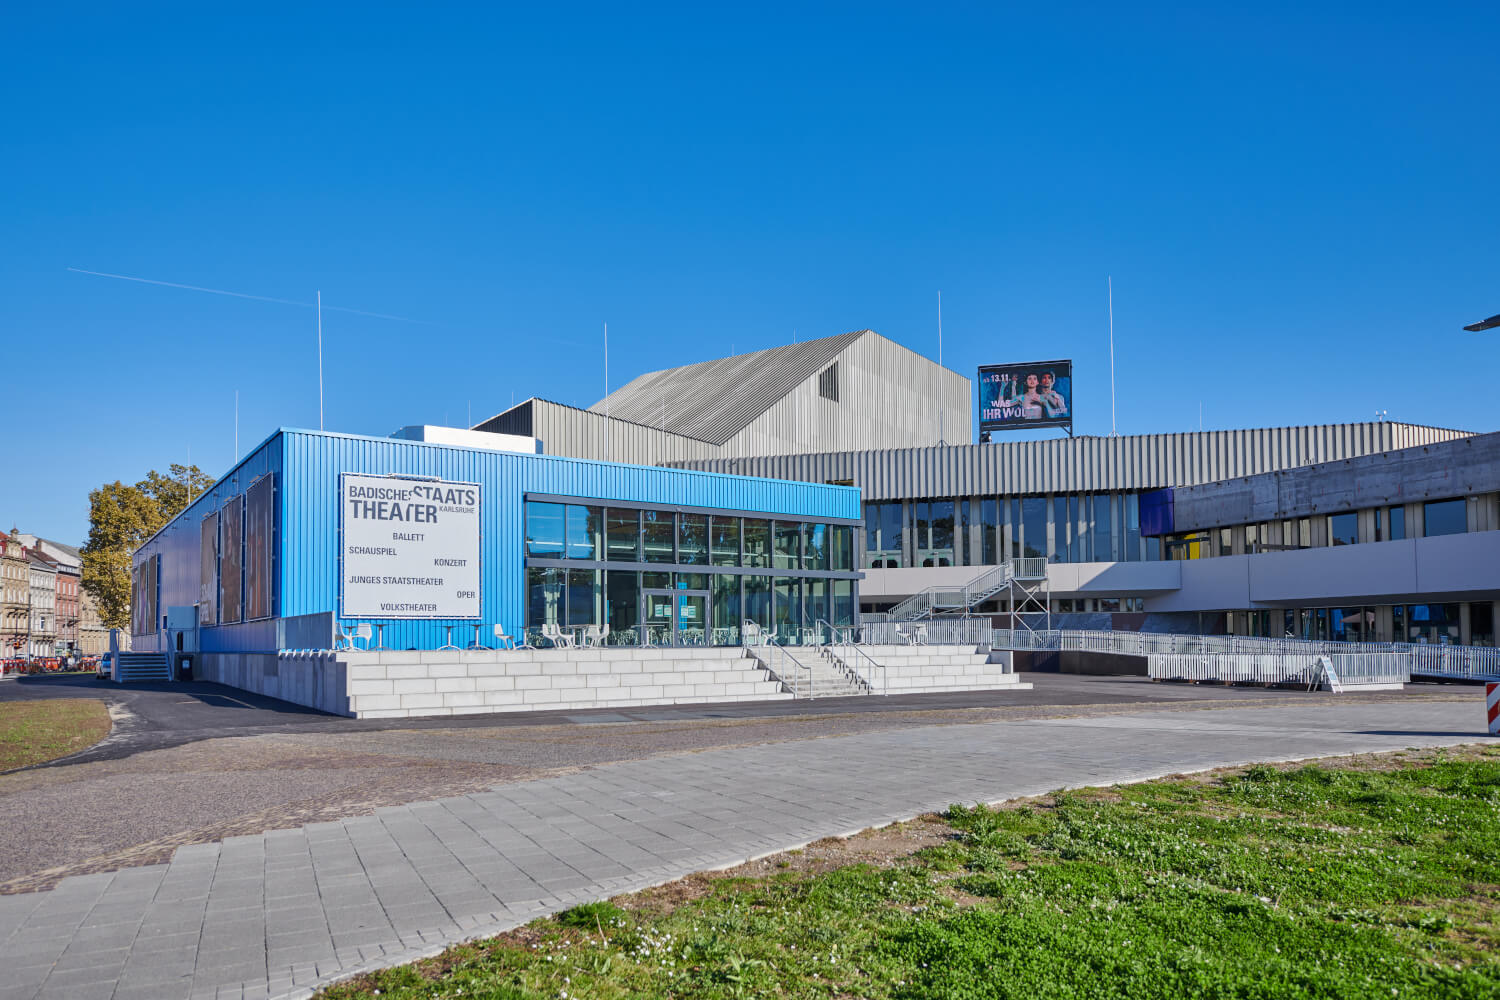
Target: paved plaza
point(280, 913)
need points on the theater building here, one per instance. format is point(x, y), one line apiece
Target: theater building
point(1376, 530)
point(436, 541)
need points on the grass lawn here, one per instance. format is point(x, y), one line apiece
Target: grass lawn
point(35, 731)
point(1377, 877)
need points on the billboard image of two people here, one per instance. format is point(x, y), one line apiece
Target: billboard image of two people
point(1012, 397)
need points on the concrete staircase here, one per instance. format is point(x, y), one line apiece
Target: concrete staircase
point(393, 683)
point(143, 667)
point(926, 669)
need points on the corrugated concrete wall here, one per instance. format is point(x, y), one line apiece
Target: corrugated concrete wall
point(1084, 464)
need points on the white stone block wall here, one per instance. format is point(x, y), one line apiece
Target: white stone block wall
point(922, 669)
point(391, 684)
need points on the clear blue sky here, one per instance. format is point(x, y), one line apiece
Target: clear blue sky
point(1297, 203)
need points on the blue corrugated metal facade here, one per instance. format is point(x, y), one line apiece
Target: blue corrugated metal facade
point(308, 464)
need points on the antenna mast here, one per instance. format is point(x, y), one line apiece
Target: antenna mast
point(942, 409)
point(1112, 432)
point(320, 360)
point(606, 392)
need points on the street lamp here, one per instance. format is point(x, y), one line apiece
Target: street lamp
point(1484, 324)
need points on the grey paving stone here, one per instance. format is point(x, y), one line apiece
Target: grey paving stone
point(277, 913)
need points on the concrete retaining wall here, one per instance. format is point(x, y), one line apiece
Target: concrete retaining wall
point(315, 679)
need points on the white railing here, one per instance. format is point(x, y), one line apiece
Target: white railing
point(1279, 668)
point(940, 632)
point(1461, 662)
point(1030, 568)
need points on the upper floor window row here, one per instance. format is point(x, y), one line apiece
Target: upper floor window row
point(616, 534)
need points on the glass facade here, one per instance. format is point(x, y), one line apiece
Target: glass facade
point(684, 577)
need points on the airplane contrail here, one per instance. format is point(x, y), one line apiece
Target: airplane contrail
point(246, 295)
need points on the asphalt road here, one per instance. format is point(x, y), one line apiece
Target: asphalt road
point(193, 763)
point(160, 715)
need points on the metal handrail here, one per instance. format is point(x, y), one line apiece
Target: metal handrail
point(843, 639)
point(786, 654)
point(885, 675)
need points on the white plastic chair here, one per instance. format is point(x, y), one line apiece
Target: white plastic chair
point(592, 637)
point(502, 640)
point(558, 638)
point(360, 631)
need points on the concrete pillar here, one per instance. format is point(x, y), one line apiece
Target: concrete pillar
point(1464, 632)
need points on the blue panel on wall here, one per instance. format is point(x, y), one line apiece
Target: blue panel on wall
point(1157, 512)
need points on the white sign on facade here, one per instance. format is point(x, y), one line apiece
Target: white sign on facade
point(409, 548)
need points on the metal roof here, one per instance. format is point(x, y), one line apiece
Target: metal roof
point(715, 400)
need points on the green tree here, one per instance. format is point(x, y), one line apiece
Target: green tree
point(120, 519)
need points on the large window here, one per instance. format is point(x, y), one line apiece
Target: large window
point(624, 533)
point(989, 525)
point(624, 606)
point(1062, 534)
point(816, 554)
point(725, 541)
point(692, 539)
point(657, 531)
point(758, 600)
point(725, 615)
point(1103, 547)
point(544, 530)
point(757, 544)
point(545, 595)
point(1034, 527)
point(585, 597)
point(583, 527)
point(883, 535)
point(788, 545)
point(841, 548)
point(1343, 529)
point(934, 524)
point(1397, 522)
point(1444, 517)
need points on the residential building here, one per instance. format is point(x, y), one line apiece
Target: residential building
point(42, 637)
point(15, 594)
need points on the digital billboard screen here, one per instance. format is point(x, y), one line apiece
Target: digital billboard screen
point(1015, 397)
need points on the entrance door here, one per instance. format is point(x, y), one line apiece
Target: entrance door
point(674, 617)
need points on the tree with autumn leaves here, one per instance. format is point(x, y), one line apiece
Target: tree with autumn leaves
point(122, 517)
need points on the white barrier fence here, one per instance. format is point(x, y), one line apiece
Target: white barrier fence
point(1460, 662)
point(932, 631)
point(1351, 669)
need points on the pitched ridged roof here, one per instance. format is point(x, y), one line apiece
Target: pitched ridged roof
point(715, 400)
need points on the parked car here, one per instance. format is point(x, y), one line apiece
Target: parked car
point(106, 668)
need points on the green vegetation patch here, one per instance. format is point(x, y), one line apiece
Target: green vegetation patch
point(32, 732)
point(1381, 880)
